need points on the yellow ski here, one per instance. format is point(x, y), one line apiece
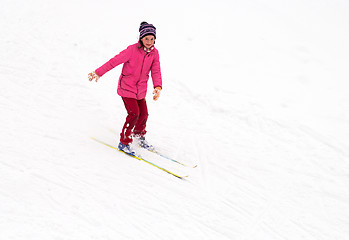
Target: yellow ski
point(141, 159)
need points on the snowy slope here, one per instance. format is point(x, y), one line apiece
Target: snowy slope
point(255, 93)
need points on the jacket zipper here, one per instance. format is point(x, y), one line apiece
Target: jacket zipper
point(140, 75)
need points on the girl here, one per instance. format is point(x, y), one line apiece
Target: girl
point(139, 59)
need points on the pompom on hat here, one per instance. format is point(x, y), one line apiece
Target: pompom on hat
point(146, 29)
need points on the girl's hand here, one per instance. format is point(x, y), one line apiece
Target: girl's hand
point(93, 76)
point(156, 93)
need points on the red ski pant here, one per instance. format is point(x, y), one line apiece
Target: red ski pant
point(136, 120)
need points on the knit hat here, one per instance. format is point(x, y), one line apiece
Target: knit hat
point(146, 29)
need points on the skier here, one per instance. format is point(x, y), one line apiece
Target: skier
point(139, 59)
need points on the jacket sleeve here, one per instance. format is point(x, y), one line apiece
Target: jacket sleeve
point(122, 57)
point(156, 72)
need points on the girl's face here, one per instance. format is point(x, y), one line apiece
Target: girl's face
point(148, 41)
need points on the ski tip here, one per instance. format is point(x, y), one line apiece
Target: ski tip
point(183, 177)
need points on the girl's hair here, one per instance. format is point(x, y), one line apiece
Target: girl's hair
point(140, 42)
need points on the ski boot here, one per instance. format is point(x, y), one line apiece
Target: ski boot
point(144, 143)
point(126, 149)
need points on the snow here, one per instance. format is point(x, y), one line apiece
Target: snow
point(255, 93)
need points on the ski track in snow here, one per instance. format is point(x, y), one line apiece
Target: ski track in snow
point(266, 168)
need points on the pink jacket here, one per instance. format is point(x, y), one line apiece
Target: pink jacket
point(135, 72)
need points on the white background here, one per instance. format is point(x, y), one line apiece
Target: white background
point(254, 92)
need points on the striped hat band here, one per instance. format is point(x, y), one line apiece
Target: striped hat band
point(147, 29)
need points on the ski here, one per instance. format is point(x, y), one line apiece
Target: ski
point(162, 155)
point(140, 158)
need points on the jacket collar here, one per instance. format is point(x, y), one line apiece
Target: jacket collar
point(148, 50)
